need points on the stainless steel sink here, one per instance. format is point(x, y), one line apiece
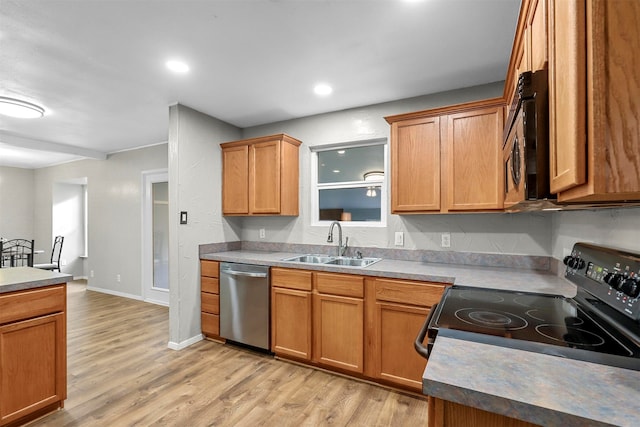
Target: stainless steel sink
point(331, 260)
point(353, 262)
point(310, 258)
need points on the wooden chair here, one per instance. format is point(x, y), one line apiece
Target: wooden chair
point(56, 251)
point(16, 253)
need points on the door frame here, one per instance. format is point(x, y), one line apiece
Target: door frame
point(150, 293)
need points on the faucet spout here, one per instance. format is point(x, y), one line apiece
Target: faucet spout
point(341, 248)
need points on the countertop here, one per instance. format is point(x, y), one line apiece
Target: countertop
point(22, 278)
point(542, 389)
point(487, 277)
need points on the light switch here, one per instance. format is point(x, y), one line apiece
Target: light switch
point(399, 238)
point(183, 217)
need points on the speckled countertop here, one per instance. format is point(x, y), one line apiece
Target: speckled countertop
point(21, 278)
point(542, 389)
point(488, 277)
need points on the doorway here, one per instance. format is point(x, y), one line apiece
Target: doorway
point(155, 235)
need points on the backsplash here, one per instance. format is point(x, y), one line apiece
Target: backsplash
point(529, 262)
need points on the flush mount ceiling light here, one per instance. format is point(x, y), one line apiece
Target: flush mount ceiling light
point(177, 66)
point(322, 89)
point(374, 176)
point(16, 108)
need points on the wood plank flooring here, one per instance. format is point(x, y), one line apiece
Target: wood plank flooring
point(121, 373)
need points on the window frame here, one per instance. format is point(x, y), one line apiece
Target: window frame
point(316, 187)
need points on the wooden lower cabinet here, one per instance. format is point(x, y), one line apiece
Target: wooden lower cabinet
point(443, 413)
point(33, 353)
point(338, 321)
point(210, 298)
point(396, 310)
point(291, 326)
point(291, 323)
point(354, 324)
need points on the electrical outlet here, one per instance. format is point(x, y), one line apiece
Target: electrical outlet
point(445, 240)
point(91, 273)
point(399, 241)
point(263, 234)
point(118, 278)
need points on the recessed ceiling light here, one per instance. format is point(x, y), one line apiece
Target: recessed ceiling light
point(177, 66)
point(336, 171)
point(322, 89)
point(341, 151)
point(16, 108)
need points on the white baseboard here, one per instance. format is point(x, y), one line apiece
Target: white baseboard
point(116, 293)
point(156, 302)
point(184, 344)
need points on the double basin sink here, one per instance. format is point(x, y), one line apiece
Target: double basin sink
point(333, 260)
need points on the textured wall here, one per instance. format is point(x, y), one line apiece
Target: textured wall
point(521, 233)
point(114, 210)
point(16, 203)
point(608, 227)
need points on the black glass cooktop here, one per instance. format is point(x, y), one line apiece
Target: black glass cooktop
point(537, 322)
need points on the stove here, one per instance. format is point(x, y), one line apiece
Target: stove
point(601, 324)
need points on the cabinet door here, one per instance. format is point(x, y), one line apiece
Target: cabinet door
point(536, 34)
point(415, 165)
point(235, 180)
point(473, 152)
point(395, 358)
point(567, 94)
point(33, 372)
point(291, 323)
point(339, 332)
point(264, 177)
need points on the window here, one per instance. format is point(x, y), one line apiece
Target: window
point(349, 183)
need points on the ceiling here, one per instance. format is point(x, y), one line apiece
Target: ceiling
point(98, 67)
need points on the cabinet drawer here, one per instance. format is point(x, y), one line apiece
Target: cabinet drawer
point(209, 268)
point(340, 284)
point(32, 303)
point(407, 292)
point(210, 284)
point(210, 303)
point(210, 323)
point(291, 279)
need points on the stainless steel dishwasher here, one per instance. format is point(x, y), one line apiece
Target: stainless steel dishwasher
point(244, 304)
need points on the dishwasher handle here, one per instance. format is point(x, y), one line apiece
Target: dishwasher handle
point(244, 273)
point(420, 348)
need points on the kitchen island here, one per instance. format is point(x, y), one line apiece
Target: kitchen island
point(33, 347)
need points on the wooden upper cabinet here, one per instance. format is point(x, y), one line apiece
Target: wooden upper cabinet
point(448, 158)
point(594, 48)
point(473, 159)
point(415, 165)
point(536, 35)
point(567, 94)
point(235, 180)
point(260, 176)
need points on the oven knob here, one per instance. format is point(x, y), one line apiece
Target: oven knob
point(567, 259)
point(614, 280)
point(630, 287)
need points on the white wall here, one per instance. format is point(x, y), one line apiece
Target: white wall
point(194, 186)
point(618, 228)
point(521, 233)
point(16, 203)
point(67, 221)
point(114, 213)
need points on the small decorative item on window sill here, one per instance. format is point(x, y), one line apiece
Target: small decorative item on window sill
point(345, 216)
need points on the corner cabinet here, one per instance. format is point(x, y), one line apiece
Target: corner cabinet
point(448, 159)
point(594, 57)
point(260, 176)
point(33, 352)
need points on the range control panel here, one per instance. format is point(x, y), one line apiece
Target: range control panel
point(612, 275)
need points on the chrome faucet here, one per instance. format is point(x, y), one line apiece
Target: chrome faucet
point(341, 249)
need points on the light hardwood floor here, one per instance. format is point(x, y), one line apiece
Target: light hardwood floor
point(121, 373)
